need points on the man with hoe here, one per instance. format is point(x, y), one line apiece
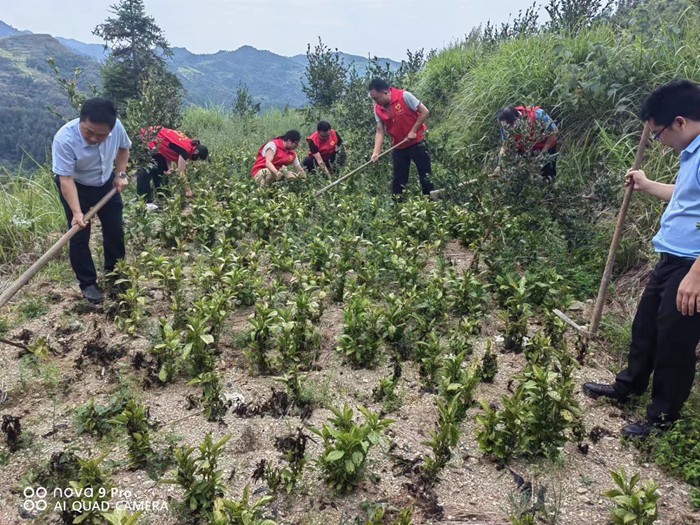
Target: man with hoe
point(90, 154)
point(666, 327)
point(402, 116)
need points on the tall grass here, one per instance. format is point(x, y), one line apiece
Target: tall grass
point(222, 130)
point(30, 211)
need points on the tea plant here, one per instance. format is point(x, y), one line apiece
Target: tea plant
point(260, 337)
point(445, 436)
point(85, 506)
point(346, 445)
point(243, 512)
point(385, 391)
point(215, 404)
point(489, 365)
point(198, 352)
point(468, 295)
point(360, 342)
point(97, 420)
point(199, 477)
point(287, 477)
point(131, 300)
point(535, 420)
point(429, 356)
point(517, 312)
point(633, 505)
point(134, 419)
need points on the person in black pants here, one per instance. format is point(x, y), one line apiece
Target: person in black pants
point(666, 327)
point(402, 116)
point(84, 152)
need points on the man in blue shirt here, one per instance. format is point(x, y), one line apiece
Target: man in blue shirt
point(87, 152)
point(666, 327)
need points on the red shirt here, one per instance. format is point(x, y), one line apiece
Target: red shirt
point(170, 143)
point(327, 148)
point(399, 119)
point(282, 157)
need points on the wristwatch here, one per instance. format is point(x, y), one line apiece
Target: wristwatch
point(122, 175)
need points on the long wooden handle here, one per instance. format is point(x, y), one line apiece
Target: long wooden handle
point(51, 253)
point(353, 172)
point(607, 274)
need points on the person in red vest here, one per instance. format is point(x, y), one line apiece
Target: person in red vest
point(323, 148)
point(401, 115)
point(532, 132)
point(274, 157)
point(168, 147)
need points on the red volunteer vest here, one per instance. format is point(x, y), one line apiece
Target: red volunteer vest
point(399, 119)
point(282, 157)
point(164, 138)
point(326, 149)
point(530, 113)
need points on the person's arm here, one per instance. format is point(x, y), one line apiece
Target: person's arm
point(642, 183)
point(70, 193)
point(269, 155)
point(120, 166)
point(321, 163)
point(378, 141)
point(181, 165)
point(299, 169)
point(423, 114)
point(551, 140)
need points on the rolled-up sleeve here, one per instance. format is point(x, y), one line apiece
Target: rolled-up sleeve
point(63, 158)
point(124, 140)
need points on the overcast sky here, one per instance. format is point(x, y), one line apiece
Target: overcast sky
point(379, 27)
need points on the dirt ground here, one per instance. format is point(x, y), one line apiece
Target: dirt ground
point(93, 359)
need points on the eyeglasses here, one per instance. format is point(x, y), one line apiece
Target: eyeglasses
point(657, 136)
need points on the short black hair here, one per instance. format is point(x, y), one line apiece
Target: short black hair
point(323, 126)
point(680, 98)
point(100, 111)
point(202, 152)
point(508, 114)
point(378, 84)
point(292, 135)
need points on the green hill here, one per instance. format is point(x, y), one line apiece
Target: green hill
point(28, 86)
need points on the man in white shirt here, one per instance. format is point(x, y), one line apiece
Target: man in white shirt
point(90, 154)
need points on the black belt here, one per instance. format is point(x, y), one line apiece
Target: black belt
point(667, 257)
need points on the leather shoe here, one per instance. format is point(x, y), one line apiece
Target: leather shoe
point(638, 430)
point(93, 294)
point(596, 390)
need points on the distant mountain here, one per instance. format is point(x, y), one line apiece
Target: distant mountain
point(6, 30)
point(95, 51)
point(28, 86)
point(273, 80)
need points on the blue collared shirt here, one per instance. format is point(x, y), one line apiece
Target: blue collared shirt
point(89, 165)
point(679, 234)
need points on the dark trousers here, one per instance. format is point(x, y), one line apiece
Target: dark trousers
point(663, 342)
point(310, 163)
point(153, 173)
point(112, 231)
point(418, 153)
point(549, 170)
